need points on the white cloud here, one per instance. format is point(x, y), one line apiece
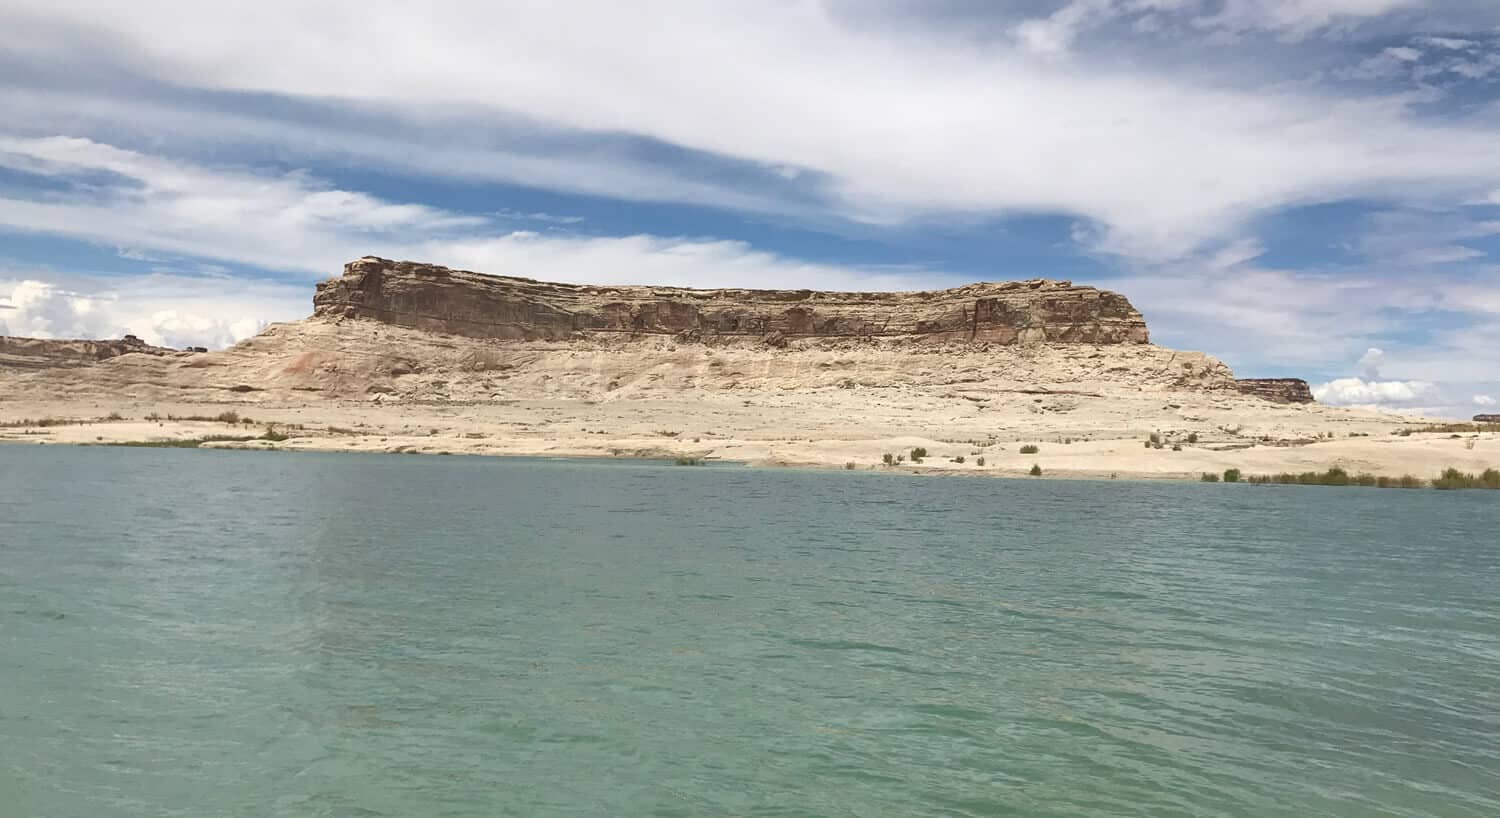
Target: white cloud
point(1300, 17)
point(1371, 361)
point(1450, 43)
point(1483, 400)
point(885, 126)
point(1360, 392)
point(171, 311)
point(39, 309)
point(279, 221)
point(226, 214)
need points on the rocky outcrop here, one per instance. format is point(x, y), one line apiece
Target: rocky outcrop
point(44, 353)
point(1279, 390)
point(1487, 418)
point(456, 302)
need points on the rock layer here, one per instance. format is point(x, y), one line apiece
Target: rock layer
point(1279, 390)
point(457, 302)
point(45, 353)
point(1487, 418)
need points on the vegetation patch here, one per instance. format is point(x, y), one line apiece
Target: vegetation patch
point(1455, 479)
point(1450, 479)
point(182, 443)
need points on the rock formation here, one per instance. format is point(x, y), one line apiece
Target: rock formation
point(1279, 390)
point(1487, 418)
point(43, 353)
point(456, 302)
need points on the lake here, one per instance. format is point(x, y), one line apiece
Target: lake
point(216, 633)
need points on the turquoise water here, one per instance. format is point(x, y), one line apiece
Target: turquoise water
point(201, 633)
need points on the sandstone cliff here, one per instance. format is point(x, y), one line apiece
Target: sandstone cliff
point(456, 302)
point(44, 353)
point(1279, 390)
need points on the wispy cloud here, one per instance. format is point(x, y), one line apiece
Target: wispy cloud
point(226, 214)
point(884, 127)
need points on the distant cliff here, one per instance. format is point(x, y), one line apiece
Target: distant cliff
point(45, 353)
point(1280, 390)
point(456, 302)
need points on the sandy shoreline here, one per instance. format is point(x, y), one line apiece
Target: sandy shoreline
point(755, 435)
point(1091, 410)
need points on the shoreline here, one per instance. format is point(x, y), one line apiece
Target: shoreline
point(293, 428)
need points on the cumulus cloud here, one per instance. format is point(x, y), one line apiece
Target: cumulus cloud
point(164, 310)
point(1370, 362)
point(1484, 400)
point(1360, 392)
point(39, 309)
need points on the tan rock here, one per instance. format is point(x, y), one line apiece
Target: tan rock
point(457, 302)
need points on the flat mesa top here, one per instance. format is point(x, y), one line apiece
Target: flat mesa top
point(383, 266)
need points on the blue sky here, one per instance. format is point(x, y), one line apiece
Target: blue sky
point(1286, 184)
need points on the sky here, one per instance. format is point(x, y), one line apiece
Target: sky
point(1303, 188)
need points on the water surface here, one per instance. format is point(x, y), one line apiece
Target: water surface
point(206, 633)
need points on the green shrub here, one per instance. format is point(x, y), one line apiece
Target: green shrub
point(1231, 475)
point(1336, 476)
point(230, 416)
point(1030, 449)
point(1455, 479)
point(918, 453)
point(1192, 437)
point(888, 459)
point(849, 466)
point(979, 461)
point(1404, 482)
point(1210, 477)
point(958, 459)
point(689, 461)
point(1036, 470)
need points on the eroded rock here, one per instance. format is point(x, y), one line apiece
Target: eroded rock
point(45, 353)
point(457, 302)
point(1279, 390)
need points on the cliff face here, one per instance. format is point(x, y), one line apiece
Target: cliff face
point(43, 353)
point(456, 302)
point(1487, 418)
point(1280, 390)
